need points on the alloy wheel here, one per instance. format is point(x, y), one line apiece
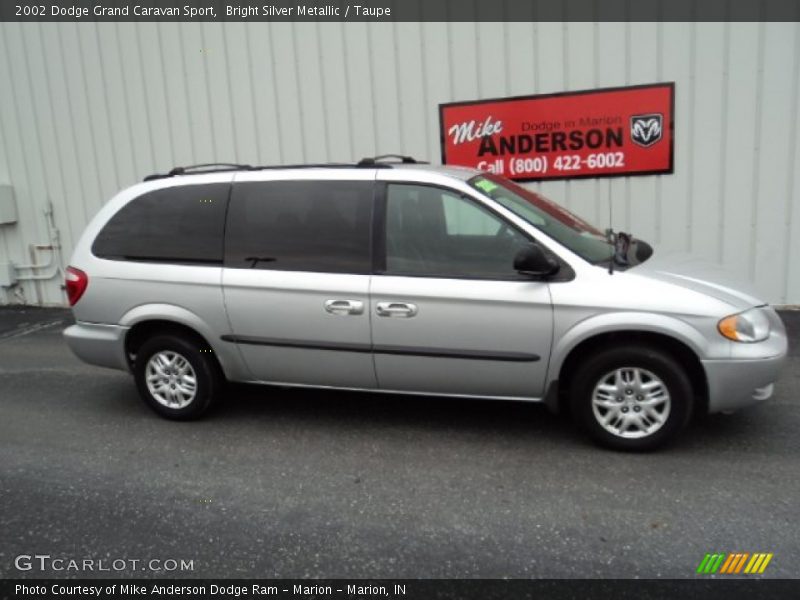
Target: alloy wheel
point(171, 380)
point(631, 402)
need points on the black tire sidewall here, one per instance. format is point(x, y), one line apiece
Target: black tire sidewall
point(208, 379)
point(658, 362)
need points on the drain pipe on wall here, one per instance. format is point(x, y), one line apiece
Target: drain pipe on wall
point(55, 259)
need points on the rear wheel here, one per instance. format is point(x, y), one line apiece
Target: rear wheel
point(175, 377)
point(632, 398)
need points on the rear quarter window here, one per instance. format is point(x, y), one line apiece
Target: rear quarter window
point(181, 224)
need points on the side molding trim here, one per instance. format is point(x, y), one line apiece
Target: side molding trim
point(380, 349)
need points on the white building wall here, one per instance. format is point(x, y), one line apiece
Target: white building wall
point(88, 109)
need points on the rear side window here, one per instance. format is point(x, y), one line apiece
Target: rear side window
point(183, 224)
point(321, 226)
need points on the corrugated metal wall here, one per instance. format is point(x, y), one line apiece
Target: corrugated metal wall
point(87, 109)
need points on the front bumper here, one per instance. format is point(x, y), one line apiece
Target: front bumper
point(733, 384)
point(98, 344)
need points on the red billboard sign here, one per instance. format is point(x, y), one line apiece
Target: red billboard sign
point(590, 133)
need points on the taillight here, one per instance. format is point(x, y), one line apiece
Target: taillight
point(76, 281)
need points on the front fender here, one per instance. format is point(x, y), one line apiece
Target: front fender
point(569, 335)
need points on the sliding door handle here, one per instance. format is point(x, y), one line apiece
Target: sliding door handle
point(396, 309)
point(344, 307)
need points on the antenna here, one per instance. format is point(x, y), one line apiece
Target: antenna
point(612, 238)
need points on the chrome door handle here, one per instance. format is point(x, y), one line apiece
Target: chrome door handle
point(344, 307)
point(396, 309)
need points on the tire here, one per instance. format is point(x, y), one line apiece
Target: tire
point(656, 397)
point(170, 391)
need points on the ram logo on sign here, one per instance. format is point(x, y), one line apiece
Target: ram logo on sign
point(646, 129)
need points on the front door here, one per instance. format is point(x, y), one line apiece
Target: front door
point(449, 312)
point(296, 278)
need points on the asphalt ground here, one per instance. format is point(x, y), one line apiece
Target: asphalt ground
point(317, 484)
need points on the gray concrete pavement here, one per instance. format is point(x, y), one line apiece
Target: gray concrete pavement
point(288, 483)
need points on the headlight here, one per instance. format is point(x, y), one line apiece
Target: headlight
point(750, 326)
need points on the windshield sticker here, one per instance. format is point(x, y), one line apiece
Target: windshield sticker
point(486, 185)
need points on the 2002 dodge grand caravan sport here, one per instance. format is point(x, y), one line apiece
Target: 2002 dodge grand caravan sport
point(408, 278)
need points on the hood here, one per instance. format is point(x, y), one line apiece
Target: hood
point(701, 276)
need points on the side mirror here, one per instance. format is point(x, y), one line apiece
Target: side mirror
point(532, 260)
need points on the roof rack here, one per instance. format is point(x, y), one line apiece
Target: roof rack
point(306, 166)
point(383, 161)
point(197, 169)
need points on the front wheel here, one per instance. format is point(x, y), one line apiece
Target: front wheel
point(175, 377)
point(632, 398)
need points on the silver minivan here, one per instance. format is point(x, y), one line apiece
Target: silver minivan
point(397, 276)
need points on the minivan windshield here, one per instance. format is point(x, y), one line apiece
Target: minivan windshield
point(568, 229)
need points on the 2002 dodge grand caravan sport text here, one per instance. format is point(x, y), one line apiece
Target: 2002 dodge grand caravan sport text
point(408, 278)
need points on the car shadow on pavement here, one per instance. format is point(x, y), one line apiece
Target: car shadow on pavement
point(329, 408)
point(250, 407)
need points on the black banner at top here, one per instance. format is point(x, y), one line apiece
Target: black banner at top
point(400, 10)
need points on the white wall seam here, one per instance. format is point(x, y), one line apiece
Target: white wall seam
point(371, 87)
point(140, 69)
point(298, 79)
point(791, 173)
point(346, 91)
point(276, 103)
point(52, 255)
point(568, 84)
point(424, 84)
point(39, 206)
point(91, 122)
point(226, 57)
point(536, 58)
point(125, 100)
point(321, 74)
point(450, 68)
point(186, 94)
point(214, 157)
point(723, 145)
point(756, 151)
point(57, 193)
point(659, 191)
point(8, 231)
point(83, 174)
point(628, 50)
point(689, 139)
point(106, 109)
point(171, 118)
point(25, 214)
point(595, 78)
point(506, 62)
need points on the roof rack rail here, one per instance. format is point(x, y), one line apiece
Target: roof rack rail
point(204, 168)
point(381, 160)
point(305, 166)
